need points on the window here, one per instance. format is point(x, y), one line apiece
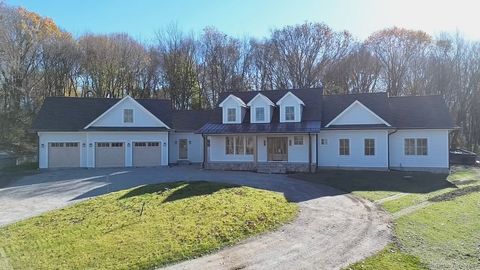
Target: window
point(117, 144)
point(231, 114)
point(239, 145)
point(298, 140)
point(323, 141)
point(71, 144)
point(128, 116)
point(153, 144)
point(409, 147)
point(250, 146)
point(289, 113)
point(229, 144)
point(344, 147)
point(56, 144)
point(422, 148)
point(369, 146)
point(103, 144)
point(417, 147)
point(260, 114)
point(140, 144)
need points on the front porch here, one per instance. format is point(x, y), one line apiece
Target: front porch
point(265, 153)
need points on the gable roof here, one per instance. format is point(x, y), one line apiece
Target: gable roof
point(259, 95)
point(292, 95)
point(125, 99)
point(74, 114)
point(356, 102)
point(238, 100)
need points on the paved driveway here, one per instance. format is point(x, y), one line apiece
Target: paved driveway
point(333, 229)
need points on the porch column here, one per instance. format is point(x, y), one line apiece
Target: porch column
point(204, 151)
point(256, 151)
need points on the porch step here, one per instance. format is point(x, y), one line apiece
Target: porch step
point(271, 168)
point(183, 162)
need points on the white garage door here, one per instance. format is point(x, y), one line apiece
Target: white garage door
point(63, 154)
point(109, 154)
point(147, 154)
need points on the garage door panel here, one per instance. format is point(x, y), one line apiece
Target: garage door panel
point(63, 154)
point(146, 154)
point(109, 154)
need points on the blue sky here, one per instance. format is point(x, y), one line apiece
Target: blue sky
point(243, 18)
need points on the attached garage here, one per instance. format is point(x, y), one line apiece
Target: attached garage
point(146, 154)
point(109, 154)
point(63, 154)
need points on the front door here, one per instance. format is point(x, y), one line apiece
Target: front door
point(277, 148)
point(183, 149)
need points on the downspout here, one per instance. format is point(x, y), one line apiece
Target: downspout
point(388, 147)
point(168, 148)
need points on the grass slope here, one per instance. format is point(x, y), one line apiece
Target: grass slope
point(441, 234)
point(143, 228)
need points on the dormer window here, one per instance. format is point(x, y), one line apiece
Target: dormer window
point(231, 115)
point(260, 114)
point(128, 116)
point(289, 113)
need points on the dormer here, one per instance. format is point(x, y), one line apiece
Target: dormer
point(261, 109)
point(291, 108)
point(233, 110)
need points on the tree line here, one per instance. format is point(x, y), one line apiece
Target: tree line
point(38, 59)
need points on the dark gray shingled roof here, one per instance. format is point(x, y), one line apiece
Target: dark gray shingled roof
point(72, 114)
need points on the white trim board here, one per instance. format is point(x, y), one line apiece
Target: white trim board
point(356, 102)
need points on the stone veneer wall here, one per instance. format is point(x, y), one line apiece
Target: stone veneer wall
point(265, 167)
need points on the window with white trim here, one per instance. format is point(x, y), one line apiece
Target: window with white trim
point(369, 147)
point(298, 140)
point(128, 115)
point(260, 114)
point(229, 145)
point(289, 113)
point(239, 145)
point(323, 141)
point(344, 147)
point(416, 146)
point(231, 114)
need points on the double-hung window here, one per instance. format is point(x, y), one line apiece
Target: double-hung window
point(369, 146)
point(418, 147)
point(128, 115)
point(344, 147)
point(231, 115)
point(239, 145)
point(259, 114)
point(289, 113)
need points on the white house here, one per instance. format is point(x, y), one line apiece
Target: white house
point(266, 131)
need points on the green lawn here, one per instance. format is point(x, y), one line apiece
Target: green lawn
point(144, 227)
point(437, 217)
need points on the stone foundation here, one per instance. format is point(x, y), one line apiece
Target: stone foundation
point(261, 167)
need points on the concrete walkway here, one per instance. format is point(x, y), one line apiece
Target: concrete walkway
point(333, 229)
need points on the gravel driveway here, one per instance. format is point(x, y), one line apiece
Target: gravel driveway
point(333, 229)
